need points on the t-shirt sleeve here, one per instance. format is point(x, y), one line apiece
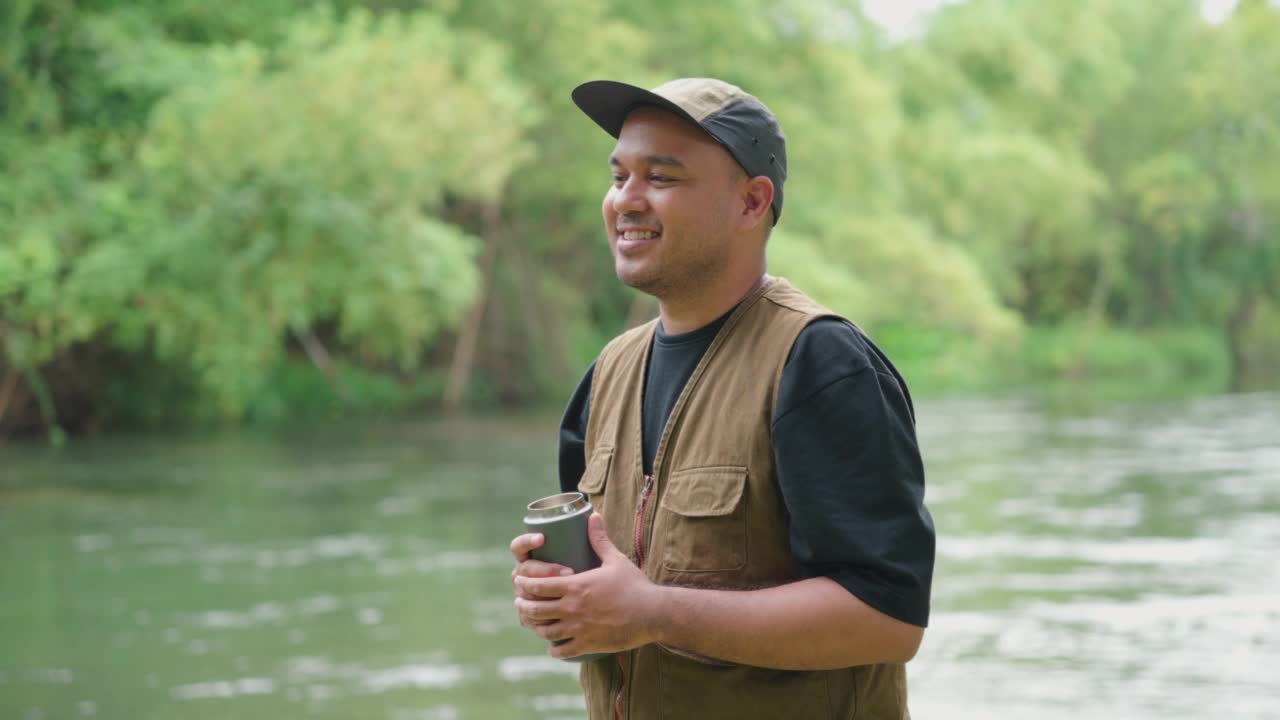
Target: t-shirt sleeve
point(850, 471)
point(573, 434)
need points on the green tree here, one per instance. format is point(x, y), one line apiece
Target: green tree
point(279, 192)
point(197, 206)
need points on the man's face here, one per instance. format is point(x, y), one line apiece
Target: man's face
point(670, 208)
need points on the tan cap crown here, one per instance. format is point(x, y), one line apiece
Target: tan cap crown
point(731, 116)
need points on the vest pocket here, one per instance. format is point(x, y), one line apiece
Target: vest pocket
point(703, 520)
point(690, 689)
point(593, 478)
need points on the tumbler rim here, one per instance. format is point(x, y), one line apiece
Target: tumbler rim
point(555, 506)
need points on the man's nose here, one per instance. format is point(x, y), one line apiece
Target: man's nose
point(630, 197)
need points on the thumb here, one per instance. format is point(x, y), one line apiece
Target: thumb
point(600, 541)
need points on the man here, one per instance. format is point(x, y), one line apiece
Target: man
point(765, 547)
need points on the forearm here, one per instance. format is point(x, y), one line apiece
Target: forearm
point(811, 624)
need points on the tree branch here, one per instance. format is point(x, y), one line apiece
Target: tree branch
point(321, 359)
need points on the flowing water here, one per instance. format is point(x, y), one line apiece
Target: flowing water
point(1097, 560)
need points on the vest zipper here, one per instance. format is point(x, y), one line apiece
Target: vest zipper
point(617, 701)
point(641, 507)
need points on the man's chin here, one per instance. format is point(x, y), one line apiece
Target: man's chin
point(644, 280)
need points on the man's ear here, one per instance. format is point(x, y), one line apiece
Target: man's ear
point(757, 196)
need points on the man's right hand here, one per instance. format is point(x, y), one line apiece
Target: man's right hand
point(521, 547)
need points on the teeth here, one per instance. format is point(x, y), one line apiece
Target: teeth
point(639, 235)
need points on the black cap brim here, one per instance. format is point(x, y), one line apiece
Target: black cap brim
point(608, 103)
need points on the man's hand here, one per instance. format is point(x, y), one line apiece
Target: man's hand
point(526, 566)
point(811, 624)
point(608, 609)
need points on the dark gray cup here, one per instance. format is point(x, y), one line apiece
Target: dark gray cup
point(562, 520)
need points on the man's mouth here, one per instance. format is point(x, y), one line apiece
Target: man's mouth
point(637, 241)
point(639, 235)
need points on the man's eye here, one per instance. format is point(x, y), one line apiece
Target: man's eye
point(660, 179)
point(618, 179)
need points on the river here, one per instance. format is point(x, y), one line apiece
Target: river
point(1095, 559)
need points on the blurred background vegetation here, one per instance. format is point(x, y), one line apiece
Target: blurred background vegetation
point(259, 211)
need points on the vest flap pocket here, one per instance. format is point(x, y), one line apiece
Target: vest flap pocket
point(592, 482)
point(705, 492)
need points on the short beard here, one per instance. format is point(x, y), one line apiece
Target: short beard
point(648, 283)
point(667, 285)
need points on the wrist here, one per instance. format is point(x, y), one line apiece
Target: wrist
point(656, 623)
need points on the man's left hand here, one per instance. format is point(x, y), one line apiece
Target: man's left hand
point(608, 609)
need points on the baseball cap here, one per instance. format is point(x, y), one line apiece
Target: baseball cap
point(730, 115)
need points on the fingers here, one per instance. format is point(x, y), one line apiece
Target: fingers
point(534, 624)
point(533, 605)
point(528, 619)
point(540, 588)
point(521, 547)
point(524, 544)
point(598, 538)
point(538, 568)
point(571, 648)
point(538, 612)
point(550, 631)
point(542, 617)
point(535, 569)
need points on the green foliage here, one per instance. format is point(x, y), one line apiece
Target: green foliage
point(299, 389)
point(273, 193)
point(936, 362)
point(278, 209)
point(308, 169)
point(1161, 359)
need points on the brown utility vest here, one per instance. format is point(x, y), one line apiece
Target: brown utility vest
point(711, 515)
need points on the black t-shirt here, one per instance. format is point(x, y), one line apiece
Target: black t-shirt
point(844, 444)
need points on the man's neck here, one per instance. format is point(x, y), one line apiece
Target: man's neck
point(682, 316)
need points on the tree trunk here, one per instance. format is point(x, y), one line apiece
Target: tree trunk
point(464, 352)
point(544, 345)
point(1237, 326)
point(1094, 316)
point(8, 388)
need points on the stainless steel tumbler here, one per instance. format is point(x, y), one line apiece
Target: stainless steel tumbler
point(562, 520)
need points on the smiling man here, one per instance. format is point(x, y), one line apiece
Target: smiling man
point(765, 547)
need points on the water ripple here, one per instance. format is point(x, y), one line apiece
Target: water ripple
point(524, 667)
point(222, 689)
